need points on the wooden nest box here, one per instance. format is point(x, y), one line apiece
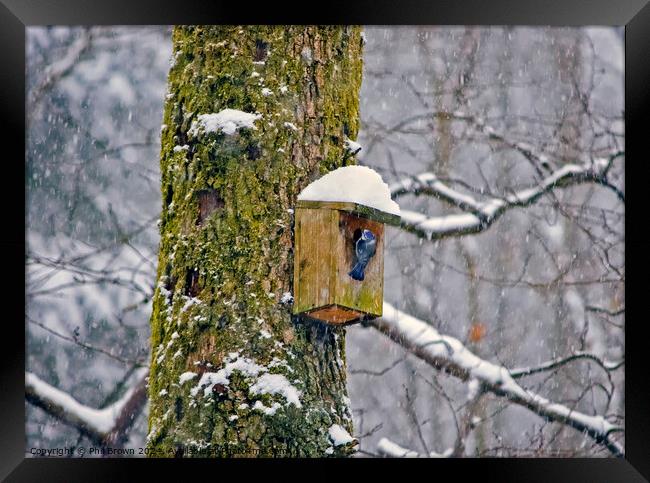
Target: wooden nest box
point(326, 234)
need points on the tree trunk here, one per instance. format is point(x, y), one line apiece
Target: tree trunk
point(232, 373)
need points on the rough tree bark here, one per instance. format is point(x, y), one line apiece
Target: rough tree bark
point(231, 371)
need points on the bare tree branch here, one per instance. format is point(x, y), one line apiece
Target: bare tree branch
point(85, 345)
point(559, 362)
point(62, 67)
point(601, 310)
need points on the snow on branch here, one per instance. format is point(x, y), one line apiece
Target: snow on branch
point(107, 425)
point(479, 215)
point(429, 184)
point(450, 355)
point(388, 448)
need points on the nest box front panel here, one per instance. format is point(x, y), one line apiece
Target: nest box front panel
point(325, 254)
point(361, 295)
point(313, 258)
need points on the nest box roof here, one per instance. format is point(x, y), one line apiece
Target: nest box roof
point(356, 189)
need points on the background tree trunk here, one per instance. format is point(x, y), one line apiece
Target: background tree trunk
point(255, 381)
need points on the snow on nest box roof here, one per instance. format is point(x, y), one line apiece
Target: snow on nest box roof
point(358, 185)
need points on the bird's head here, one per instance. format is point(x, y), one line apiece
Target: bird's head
point(367, 235)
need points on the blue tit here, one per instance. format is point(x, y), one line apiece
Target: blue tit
point(364, 249)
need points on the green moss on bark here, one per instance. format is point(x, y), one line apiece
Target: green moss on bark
point(226, 240)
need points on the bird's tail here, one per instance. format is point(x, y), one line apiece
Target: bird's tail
point(357, 271)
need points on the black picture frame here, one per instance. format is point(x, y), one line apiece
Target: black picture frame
point(15, 15)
